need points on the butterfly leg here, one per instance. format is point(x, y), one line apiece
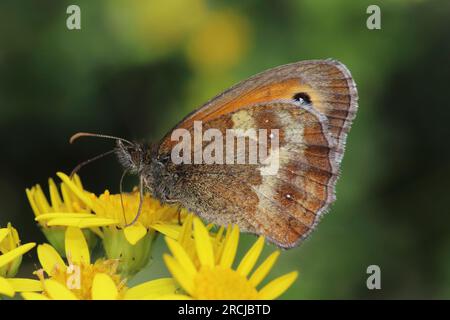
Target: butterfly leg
point(172, 201)
point(179, 214)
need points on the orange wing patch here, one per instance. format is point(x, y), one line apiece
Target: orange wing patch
point(326, 83)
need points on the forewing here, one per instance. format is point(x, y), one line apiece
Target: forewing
point(326, 85)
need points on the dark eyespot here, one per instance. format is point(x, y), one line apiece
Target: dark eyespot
point(302, 97)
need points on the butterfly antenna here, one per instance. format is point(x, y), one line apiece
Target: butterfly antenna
point(121, 195)
point(78, 135)
point(78, 167)
point(141, 200)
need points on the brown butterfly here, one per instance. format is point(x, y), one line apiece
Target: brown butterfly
point(310, 104)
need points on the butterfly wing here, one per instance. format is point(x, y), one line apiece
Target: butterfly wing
point(312, 104)
point(286, 205)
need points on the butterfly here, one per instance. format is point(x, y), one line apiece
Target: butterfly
point(309, 104)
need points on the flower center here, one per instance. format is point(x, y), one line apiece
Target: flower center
point(79, 278)
point(222, 283)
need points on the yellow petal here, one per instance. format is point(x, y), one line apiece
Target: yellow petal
point(203, 244)
point(57, 291)
point(98, 222)
point(75, 189)
point(169, 230)
point(250, 258)
point(182, 257)
point(41, 200)
point(56, 215)
point(55, 198)
point(31, 200)
point(104, 288)
point(218, 237)
point(154, 288)
point(14, 235)
point(67, 196)
point(50, 259)
point(76, 247)
point(186, 230)
point(230, 248)
point(218, 245)
point(3, 233)
point(21, 285)
point(135, 233)
point(34, 296)
point(83, 222)
point(277, 287)
point(77, 180)
point(15, 253)
point(179, 274)
point(6, 288)
point(264, 269)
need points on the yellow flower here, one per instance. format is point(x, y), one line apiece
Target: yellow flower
point(202, 265)
point(62, 203)
point(107, 211)
point(130, 244)
point(10, 260)
point(11, 251)
point(81, 279)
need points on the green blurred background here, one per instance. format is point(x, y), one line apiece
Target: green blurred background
point(137, 67)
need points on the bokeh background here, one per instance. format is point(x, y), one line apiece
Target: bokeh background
point(137, 67)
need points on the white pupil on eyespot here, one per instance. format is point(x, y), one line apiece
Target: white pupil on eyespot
point(288, 196)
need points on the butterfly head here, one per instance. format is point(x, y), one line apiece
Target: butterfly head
point(132, 156)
